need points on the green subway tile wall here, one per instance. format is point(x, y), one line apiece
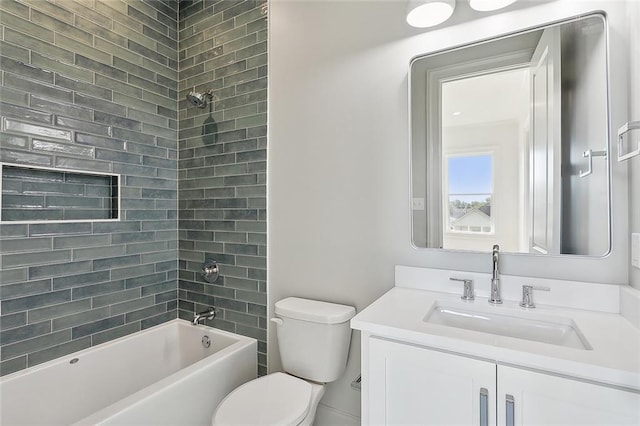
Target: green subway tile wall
point(100, 85)
point(222, 163)
point(89, 85)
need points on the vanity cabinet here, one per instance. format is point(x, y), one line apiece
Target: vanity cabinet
point(544, 399)
point(412, 385)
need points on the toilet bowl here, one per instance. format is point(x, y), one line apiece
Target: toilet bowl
point(314, 339)
point(277, 399)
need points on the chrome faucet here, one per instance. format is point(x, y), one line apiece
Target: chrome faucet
point(201, 316)
point(527, 295)
point(495, 297)
point(467, 293)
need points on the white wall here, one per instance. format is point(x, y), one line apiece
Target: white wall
point(338, 177)
point(634, 115)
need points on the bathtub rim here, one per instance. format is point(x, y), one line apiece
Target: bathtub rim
point(106, 413)
point(66, 358)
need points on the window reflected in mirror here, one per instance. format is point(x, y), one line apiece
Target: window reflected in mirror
point(469, 190)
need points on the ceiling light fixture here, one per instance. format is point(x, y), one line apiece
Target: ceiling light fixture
point(488, 5)
point(428, 13)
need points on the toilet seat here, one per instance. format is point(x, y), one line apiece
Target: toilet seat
point(276, 399)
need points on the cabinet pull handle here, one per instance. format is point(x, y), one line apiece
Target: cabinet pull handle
point(510, 410)
point(484, 407)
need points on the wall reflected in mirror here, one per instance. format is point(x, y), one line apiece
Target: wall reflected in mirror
point(509, 142)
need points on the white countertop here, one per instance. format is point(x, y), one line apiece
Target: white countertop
point(614, 358)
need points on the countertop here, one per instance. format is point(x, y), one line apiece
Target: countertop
point(613, 360)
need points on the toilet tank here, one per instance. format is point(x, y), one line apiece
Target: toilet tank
point(313, 337)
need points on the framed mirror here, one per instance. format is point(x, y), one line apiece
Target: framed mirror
point(510, 145)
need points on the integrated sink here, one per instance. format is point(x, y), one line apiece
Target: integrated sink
point(539, 328)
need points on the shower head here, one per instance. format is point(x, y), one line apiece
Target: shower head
point(199, 99)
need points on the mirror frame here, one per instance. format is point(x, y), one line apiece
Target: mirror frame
point(436, 131)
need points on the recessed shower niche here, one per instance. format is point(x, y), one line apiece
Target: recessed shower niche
point(33, 194)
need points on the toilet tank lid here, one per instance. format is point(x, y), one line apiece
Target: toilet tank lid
point(314, 310)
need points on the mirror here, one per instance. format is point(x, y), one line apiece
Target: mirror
point(510, 143)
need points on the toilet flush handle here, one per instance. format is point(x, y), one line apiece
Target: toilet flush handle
point(277, 321)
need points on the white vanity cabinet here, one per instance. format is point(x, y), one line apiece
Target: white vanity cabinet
point(543, 399)
point(406, 384)
point(411, 385)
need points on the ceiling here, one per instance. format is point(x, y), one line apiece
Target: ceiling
point(486, 98)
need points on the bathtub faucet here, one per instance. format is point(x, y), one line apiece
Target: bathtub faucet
point(209, 314)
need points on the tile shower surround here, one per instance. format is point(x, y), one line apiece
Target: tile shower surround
point(222, 164)
point(92, 85)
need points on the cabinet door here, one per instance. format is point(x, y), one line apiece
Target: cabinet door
point(541, 399)
point(410, 385)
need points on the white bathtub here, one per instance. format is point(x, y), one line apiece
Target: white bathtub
point(160, 376)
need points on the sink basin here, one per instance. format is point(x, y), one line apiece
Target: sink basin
point(552, 330)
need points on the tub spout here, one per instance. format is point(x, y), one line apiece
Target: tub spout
point(201, 316)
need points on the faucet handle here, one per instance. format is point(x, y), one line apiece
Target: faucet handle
point(467, 293)
point(527, 295)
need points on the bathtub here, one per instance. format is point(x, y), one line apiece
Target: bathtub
point(161, 376)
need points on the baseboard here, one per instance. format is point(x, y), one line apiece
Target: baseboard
point(329, 416)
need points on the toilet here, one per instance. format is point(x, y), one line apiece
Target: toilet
point(313, 338)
